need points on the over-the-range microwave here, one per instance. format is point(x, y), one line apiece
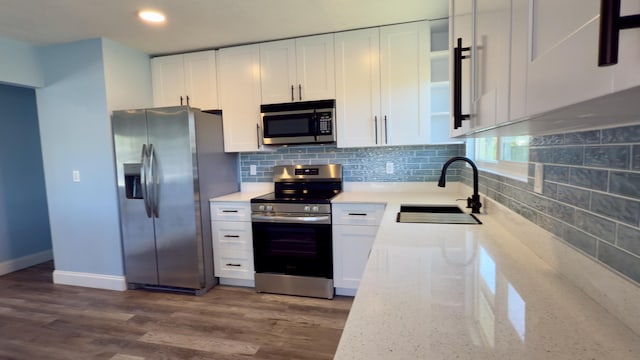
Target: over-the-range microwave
point(304, 122)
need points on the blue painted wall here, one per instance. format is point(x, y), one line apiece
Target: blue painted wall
point(19, 64)
point(24, 220)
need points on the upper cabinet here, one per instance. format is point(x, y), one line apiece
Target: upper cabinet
point(563, 61)
point(461, 31)
point(382, 85)
point(297, 70)
point(185, 79)
point(239, 79)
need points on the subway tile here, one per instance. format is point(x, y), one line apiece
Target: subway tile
point(635, 162)
point(589, 178)
point(561, 211)
point(573, 155)
point(595, 225)
point(541, 155)
point(550, 224)
point(625, 134)
point(547, 140)
point(580, 240)
point(620, 260)
point(625, 183)
point(628, 238)
point(556, 173)
point(611, 156)
point(573, 196)
point(624, 210)
point(583, 137)
point(550, 190)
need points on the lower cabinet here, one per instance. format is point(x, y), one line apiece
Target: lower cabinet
point(232, 243)
point(354, 229)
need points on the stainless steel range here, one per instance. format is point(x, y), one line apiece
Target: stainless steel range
point(292, 231)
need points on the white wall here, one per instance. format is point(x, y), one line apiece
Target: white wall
point(19, 64)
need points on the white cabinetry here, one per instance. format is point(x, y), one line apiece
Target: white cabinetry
point(461, 27)
point(298, 70)
point(186, 79)
point(354, 229)
point(382, 85)
point(239, 80)
point(232, 242)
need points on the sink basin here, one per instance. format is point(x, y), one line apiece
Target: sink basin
point(435, 214)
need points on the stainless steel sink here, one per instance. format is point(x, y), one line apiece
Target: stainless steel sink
point(435, 214)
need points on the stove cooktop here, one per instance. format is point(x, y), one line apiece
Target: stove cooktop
point(315, 198)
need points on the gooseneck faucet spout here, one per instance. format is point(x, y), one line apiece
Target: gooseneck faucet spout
point(474, 201)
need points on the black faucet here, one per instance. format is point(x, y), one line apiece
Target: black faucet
point(474, 201)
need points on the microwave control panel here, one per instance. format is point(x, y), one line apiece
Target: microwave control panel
point(324, 123)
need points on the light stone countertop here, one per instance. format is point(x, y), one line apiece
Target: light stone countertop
point(433, 291)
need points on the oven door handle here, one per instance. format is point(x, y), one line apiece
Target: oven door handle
point(292, 219)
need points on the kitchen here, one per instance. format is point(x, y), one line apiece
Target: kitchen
point(74, 68)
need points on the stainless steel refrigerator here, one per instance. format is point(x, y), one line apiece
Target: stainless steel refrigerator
point(170, 161)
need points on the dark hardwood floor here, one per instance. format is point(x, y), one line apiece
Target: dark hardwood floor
point(40, 320)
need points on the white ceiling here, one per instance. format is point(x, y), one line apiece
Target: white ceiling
point(201, 24)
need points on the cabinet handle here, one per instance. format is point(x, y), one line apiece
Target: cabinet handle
point(232, 236)
point(300, 91)
point(610, 25)
point(258, 135)
point(386, 132)
point(188, 101)
point(234, 265)
point(358, 214)
point(375, 125)
point(458, 116)
point(292, 99)
point(180, 100)
point(229, 211)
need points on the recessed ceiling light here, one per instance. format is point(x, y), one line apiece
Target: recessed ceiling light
point(152, 16)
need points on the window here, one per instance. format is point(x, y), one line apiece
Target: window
point(505, 155)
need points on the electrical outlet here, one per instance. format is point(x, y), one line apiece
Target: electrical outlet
point(253, 170)
point(538, 178)
point(76, 175)
point(389, 167)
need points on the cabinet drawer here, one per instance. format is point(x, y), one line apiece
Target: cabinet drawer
point(231, 211)
point(229, 267)
point(357, 214)
point(231, 235)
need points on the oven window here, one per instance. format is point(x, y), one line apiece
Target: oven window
point(287, 126)
point(293, 249)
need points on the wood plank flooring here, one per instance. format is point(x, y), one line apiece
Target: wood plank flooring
point(41, 320)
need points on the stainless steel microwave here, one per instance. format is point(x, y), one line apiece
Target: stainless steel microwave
point(304, 122)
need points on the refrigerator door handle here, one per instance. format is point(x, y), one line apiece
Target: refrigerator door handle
point(144, 181)
point(154, 181)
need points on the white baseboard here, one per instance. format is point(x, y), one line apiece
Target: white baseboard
point(346, 291)
point(12, 265)
point(237, 282)
point(98, 281)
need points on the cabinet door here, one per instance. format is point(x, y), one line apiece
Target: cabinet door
point(278, 72)
point(315, 68)
point(492, 58)
point(167, 74)
point(404, 77)
point(239, 85)
point(519, 54)
point(626, 74)
point(358, 88)
point(351, 247)
point(563, 63)
point(461, 26)
point(200, 79)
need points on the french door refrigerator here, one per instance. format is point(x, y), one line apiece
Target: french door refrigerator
point(170, 161)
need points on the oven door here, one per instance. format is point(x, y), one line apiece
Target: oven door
point(293, 245)
point(294, 127)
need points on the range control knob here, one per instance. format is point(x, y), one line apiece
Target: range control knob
point(269, 208)
point(261, 207)
point(314, 209)
point(307, 208)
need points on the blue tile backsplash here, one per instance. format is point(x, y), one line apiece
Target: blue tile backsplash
point(410, 163)
point(590, 197)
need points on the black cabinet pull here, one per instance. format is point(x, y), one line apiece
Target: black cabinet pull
point(229, 211)
point(300, 91)
point(180, 100)
point(234, 265)
point(375, 125)
point(232, 236)
point(610, 25)
point(458, 116)
point(358, 214)
point(292, 99)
